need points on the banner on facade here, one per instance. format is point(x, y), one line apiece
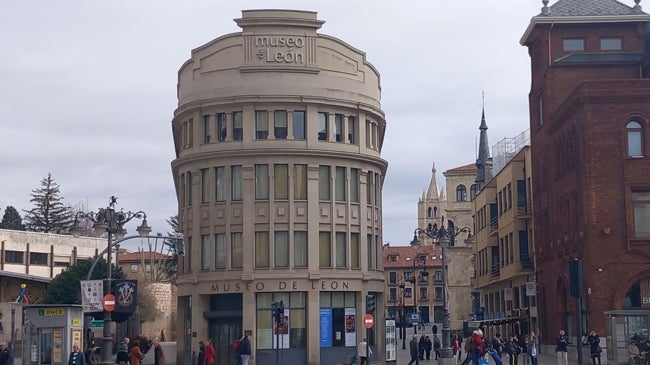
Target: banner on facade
point(531, 288)
point(92, 292)
point(126, 296)
point(507, 294)
point(325, 327)
point(350, 326)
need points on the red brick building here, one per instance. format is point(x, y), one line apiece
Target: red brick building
point(589, 127)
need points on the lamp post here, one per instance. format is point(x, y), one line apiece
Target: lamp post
point(444, 238)
point(110, 221)
point(402, 329)
point(413, 281)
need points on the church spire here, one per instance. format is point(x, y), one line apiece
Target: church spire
point(432, 192)
point(484, 161)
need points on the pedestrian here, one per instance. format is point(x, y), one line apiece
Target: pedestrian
point(90, 354)
point(594, 347)
point(363, 351)
point(523, 345)
point(76, 357)
point(532, 348)
point(455, 345)
point(5, 355)
point(122, 356)
point(468, 347)
point(414, 351)
point(561, 349)
point(200, 359)
point(512, 349)
point(210, 352)
point(135, 355)
point(236, 350)
point(421, 346)
point(158, 354)
point(632, 348)
point(436, 346)
point(477, 345)
point(245, 350)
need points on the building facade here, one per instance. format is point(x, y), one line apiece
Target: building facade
point(278, 172)
point(589, 128)
point(505, 274)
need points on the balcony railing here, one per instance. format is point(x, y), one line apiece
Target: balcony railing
point(524, 207)
point(494, 224)
point(495, 271)
point(526, 261)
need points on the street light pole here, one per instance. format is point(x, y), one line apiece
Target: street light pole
point(112, 222)
point(402, 330)
point(444, 237)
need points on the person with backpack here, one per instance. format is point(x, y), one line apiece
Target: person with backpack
point(477, 345)
point(512, 349)
point(468, 347)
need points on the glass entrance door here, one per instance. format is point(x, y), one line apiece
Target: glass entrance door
point(45, 346)
point(226, 331)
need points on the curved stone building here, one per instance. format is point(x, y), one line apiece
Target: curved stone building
point(278, 134)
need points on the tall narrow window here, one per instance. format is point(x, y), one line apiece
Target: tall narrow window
point(340, 184)
point(222, 131)
point(182, 188)
point(634, 139)
point(189, 189)
point(341, 250)
point(300, 182)
point(371, 256)
point(220, 184)
point(473, 190)
point(262, 182)
point(237, 126)
point(352, 130)
point(206, 252)
point(188, 255)
point(370, 190)
point(206, 129)
point(299, 249)
point(325, 249)
point(236, 250)
point(354, 251)
point(261, 249)
point(324, 183)
point(205, 186)
point(281, 249)
point(220, 252)
point(280, 124)
point(299, 125)
point(461, 193)
point(641, 204)
point(281, 182)
point(338, 127)
point(236, 182)
point(322, 126)
point(354, 185)
point(261, 124)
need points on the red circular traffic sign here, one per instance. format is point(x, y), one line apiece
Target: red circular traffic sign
point(109, 302)
point(368, 321)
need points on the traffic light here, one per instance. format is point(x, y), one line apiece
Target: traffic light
point(279, 315)
point(274, 310)
point(370, 303)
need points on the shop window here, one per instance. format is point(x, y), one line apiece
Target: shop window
point(338, 318)
point(293, 334)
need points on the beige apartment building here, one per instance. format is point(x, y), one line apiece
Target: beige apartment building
point(278, 172)
point(504, 256)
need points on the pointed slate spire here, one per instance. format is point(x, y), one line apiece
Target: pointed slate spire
point(484, 161)
point(432, 192)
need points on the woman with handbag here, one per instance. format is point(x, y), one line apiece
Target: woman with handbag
point(532, 348)
point(594, 347)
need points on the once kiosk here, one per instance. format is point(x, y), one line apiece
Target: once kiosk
point(50, 331)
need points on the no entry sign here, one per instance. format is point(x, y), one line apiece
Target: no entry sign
point(109, 302)
point(368, 321)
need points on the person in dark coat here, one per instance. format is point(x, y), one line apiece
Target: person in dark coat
point(245, 349)
point(5, 354)
point(428, 345)
point(76, 356)
point(594, 347)
point(421, 346)
point(436, 346)
point(200, 360)
point(414, 351)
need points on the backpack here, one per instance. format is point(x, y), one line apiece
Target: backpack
point(469, 345)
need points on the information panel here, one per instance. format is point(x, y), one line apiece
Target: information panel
point(326, 327)
point(391, 340)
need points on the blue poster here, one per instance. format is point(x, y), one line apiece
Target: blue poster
point(326, 327)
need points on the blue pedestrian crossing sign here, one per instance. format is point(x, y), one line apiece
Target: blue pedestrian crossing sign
point(415, 318)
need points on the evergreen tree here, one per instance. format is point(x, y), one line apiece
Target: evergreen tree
point(169, 267)
point(49, 214)
point(12, 220)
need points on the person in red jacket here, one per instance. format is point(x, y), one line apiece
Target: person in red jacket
point(477, 345)
point(209, 353)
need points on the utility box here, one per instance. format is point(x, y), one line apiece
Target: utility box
point(50, 331)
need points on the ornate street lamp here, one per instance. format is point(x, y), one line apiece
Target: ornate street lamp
point(444, 238)
point(423, 275)
point(110, 221)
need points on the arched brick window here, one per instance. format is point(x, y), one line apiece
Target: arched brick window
point(634, 131)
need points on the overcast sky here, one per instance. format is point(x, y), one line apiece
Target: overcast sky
point(88, 90)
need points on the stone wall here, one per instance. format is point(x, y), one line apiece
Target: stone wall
point(165, 295)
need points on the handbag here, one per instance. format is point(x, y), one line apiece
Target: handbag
point(533, 351)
